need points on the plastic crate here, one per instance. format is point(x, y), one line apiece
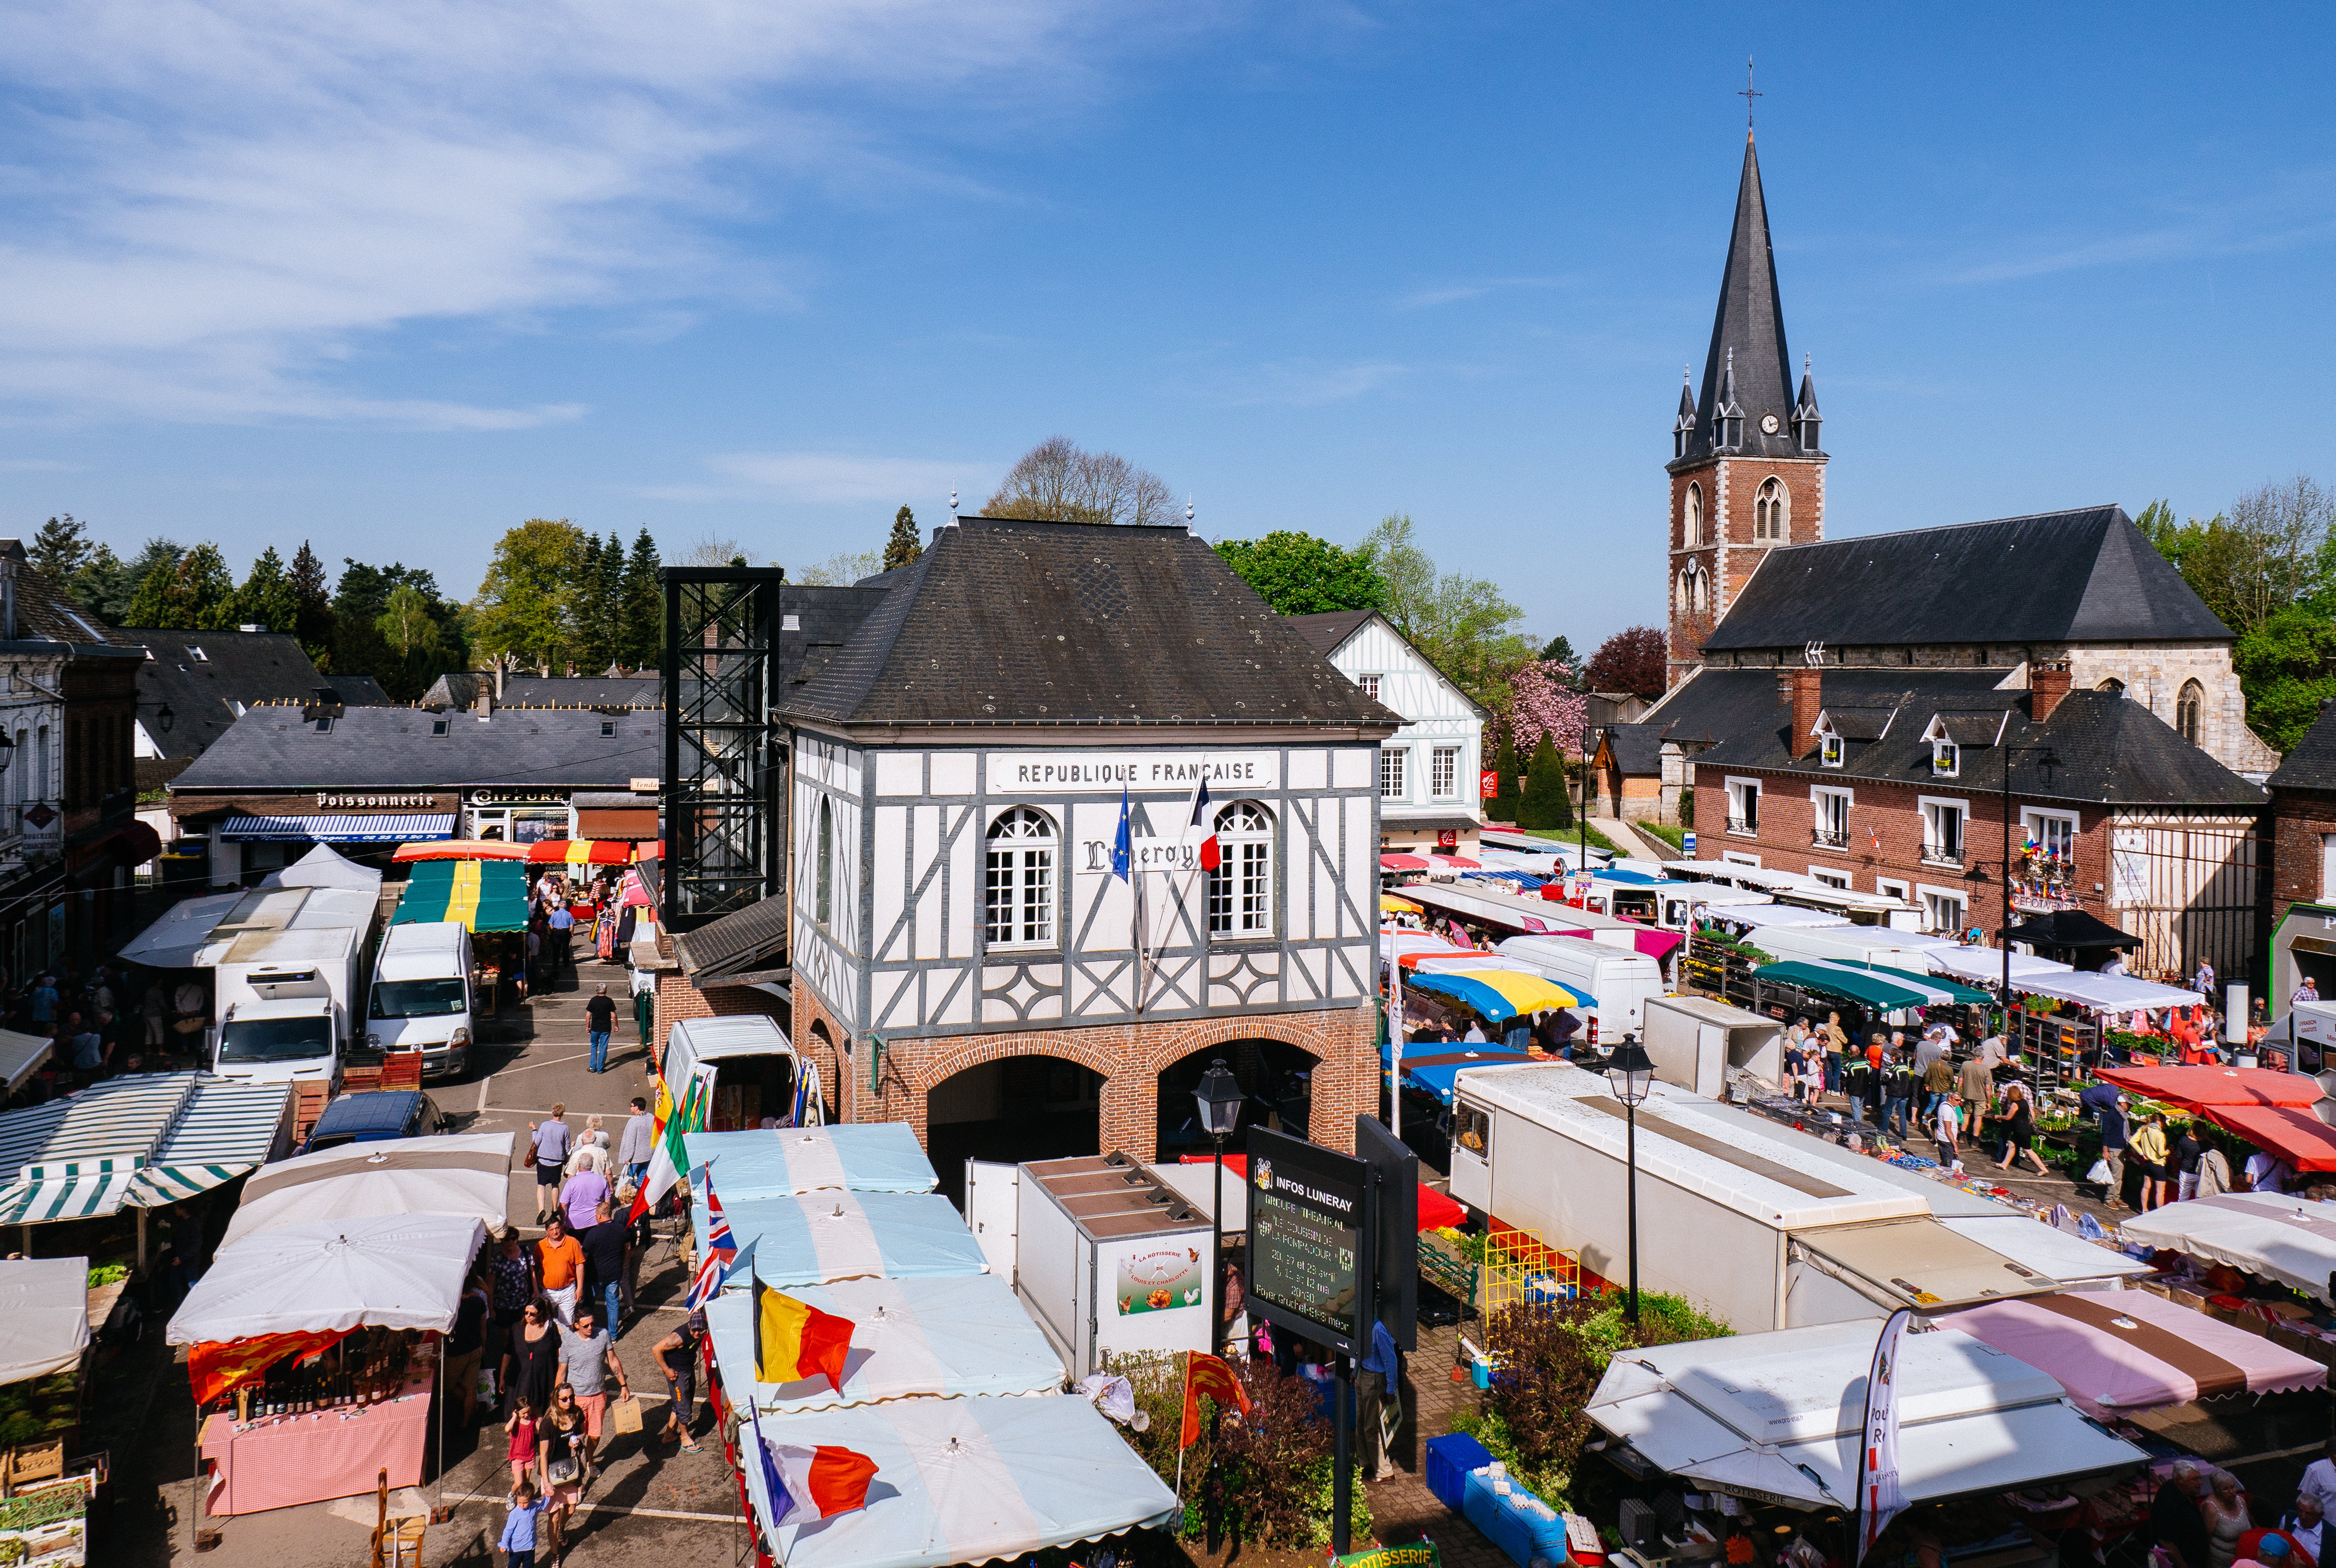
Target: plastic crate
point(1449, 1460)
point(1516, 1531)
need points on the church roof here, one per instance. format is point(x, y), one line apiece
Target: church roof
point(1004, 621)
point(1715, 705)
point(1748, 332)
point(2082, 576)
point(2311, 766)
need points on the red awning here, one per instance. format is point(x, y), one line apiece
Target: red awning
point(2197, 1089)
point(1457, 863)
point(131, 844)
point(461, 850)
point(581, 851)
point(2298, 1137)
point(1402, 863)
point(1656, 944)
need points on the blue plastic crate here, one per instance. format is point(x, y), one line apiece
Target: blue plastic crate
point(1515, 1531)
point(1449, 1460)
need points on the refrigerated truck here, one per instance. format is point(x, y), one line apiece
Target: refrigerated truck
point(287, 1001)
point(1108, 1258)
point(1763, 1228)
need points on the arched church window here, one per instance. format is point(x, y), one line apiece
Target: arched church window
point(2111, 684)
point(2185, 710)
point(1771, 512)
point(1694, 531)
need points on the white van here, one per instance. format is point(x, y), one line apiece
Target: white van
point(1621, 981)
point(423, 993)
point(755, 1070)
point(287, 1002)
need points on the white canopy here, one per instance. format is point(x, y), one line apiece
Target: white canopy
point(395, 1271)
point(1779, 1417)
point(2032, 1244)
point(324, 867)
point(2109, 993)
point(43, 1315)
point(21, 1057)
point(2291, 1240)
point(465, 1175)
point(1770, 915)
point(172, 941)
point(1987, 964)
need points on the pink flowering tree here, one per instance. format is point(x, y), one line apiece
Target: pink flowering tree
point(1541, 705)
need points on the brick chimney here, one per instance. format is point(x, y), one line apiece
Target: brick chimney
point(2047, 684)
point(1804, 689)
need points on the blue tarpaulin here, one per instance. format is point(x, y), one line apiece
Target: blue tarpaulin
point(772, 1162)
point(834, 1234)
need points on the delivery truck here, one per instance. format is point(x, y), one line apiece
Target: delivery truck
point(423, 993)
point(1760, 1225)
point(284, 1001)
point(1108, 1258)
point(1619, 980)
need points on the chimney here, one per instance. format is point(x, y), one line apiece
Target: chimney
point(8, 597)
point(482, 700)
point(1804, 688)
point(2047, 684)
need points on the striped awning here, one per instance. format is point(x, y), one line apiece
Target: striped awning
point(385, 828)
point(138, 1142)
point(484, 895)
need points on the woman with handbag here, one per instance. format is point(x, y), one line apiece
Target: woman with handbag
point(530, 1364)
point(560, 1449)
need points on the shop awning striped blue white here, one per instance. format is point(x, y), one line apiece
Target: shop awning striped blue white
point(385, 828)
point(137, 1142)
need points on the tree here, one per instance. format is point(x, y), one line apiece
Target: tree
point(713, 551)
point(1558, 650)
point(1635, 661)
point(1460, 624)
point(521, 608)
point(842, 568)
point(1544, 704)
point(1545, 802)
point(193, 593)
point(267, 599)
point(97, 581)
point(644, 609)
point(1503, 806)
point(2287, 668)
point(61, 548)
point(313, 615)
point(122, 595)
point(596, 599)
point(904, 547)
point(407, 624)
point(2272, 550)
point(1057, 480)
point(1299, 574)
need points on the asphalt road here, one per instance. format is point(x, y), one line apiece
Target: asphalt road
point(651, 1504)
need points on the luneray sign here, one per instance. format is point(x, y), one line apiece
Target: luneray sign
point(1143, 854)
point(1054, 772)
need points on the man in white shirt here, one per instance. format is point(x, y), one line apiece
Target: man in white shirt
point(2308, 1525)
point(2320, 1480)
point(1476, 1035)
point(2308, 991)
point(2267, 1173)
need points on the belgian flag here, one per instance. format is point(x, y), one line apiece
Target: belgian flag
point(794, 1339)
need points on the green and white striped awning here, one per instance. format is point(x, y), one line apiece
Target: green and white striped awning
point(137, 1142)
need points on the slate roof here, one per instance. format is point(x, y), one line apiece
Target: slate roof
point(274, 749)
point(1637, 749)
point(357, 690)
point(200, 674)
point(44, 611)
point(736, 949)
point(2082, 576)
point(642, 691)
point(1004, 621)
point(1324, 632)
point(1749, 324)
point(1714, 704)
point(2110, 750)
point(824, 619)
point(2311, 766)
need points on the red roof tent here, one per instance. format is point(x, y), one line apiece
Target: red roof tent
point(1436, 1210)
point(1392, 863)
point(2203, 1089)
point(461, 850)
point(2298, 1137)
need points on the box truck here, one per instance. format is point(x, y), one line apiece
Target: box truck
point(1695, 1040)
point(1109, 1258)
point(1762, 1226)
point(283, 1001)
point(754, 1067)
point(422, 996)
point(1621, 981)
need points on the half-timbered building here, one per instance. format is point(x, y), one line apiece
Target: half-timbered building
point(1007, 929)
point(1430, 770)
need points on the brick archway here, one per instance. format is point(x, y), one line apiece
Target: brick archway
point(1207, 1032)
point(931, 1072)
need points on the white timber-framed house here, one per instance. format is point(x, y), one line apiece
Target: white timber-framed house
point(1429, 771)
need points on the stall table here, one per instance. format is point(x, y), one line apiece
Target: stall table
point(285, 1460)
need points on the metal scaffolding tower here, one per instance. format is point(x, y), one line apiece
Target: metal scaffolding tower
point(725, 846)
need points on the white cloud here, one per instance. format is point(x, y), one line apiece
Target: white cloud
point(1453, 292)
point(1306, 383)
point(831, 477)
point(217, 206)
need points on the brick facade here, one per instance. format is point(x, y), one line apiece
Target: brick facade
point(678, 1000)
point(1129, 1057)
point(1724, 551)
point(2299, 819)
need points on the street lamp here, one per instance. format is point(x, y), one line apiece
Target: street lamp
point(1220, 1097)
point(165, 718)
point(1631, 1073)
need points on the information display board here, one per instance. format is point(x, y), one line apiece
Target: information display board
point(1309, 1240)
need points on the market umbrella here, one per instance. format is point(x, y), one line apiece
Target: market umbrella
point(2069, 929)
point(580, 852)
point(1499, 995)
point(1391, 905)
point(2298, 1137)
point(2196, 1088)
point(1858, 985)
point(1391, 863)
point(1456, 862)
point(388, 1271)
point(461, 850)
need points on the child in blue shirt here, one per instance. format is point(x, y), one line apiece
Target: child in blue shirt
point(519, 1527)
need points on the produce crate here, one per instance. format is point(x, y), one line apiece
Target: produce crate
point(35, 1462)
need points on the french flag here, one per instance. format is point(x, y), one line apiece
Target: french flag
point(1199, 822)
point(812, 1484)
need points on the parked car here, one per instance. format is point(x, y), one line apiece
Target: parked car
point(373, 1116)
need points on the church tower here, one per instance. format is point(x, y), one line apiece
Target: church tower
point(1747, 469)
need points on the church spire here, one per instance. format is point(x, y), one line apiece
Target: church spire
point(1747, 337)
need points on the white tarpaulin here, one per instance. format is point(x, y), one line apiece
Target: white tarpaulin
point(397, 1271)
point(21, 1057)
point(466, 1175)
point(324, 867)
point(2109, 993)
point(172, 941)
point(2032, 1244)
point(2291, 1240)
point(1983, 964)
point(43, 1315)
point(1778, 1417)
point(1767, 915)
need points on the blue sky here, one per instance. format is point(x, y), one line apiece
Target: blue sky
point(392, 283)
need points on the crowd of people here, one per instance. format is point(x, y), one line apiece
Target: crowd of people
point(109, 1020)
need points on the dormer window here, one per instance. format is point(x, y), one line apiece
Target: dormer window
point(608, 729)
point(198, 656)
point(325, 725)
point(1829, 751)
point(1946, 758)
point(437, 727)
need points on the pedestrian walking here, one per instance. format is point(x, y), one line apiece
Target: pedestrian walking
point(580, 1197)
point(1937, 1083)
point(1836, 1044)
point(1857, 1080)
point(561, 928)
point(1946, 1125)
point(588, 1360)
point(605, 1242)
point(2115, 1135)
point(531, 1362)
point(560, 1449)
point(2187, 1150)
point(637, 1142)
point(2019, 1119)
point(526, 1512)
point(548, 1147)
point(520, 1447)
point(511, 1271)
point(676, 1356)
point(562, 1260)
point(601, 1019)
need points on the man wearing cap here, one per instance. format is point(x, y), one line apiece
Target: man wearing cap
point(2116, 1133)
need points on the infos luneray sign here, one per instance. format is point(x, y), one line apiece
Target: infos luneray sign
point(1310, 1228)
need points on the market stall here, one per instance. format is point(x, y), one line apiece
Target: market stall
point(379, 1294)
point(465, 1175)
point(1985, 965)
point(21, 1057)
point(962, 1481)
point(484, 895)
point(44, 1343)
point(2290, 1240)
point(874, 1157)
point(460, 849)
point(581, 853)
point(1780, 1416)
point(2116, 1353)
point(949, 1338)
point(2199, 1088)
point(817, 1238)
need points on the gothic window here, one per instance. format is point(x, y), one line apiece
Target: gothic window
point(1241, 889)
point(1019, 891)
point(823, 875)
point(2111, 684)
point(1694, 534)
point(1771, 512)
point(1695, 590)
point(2185, 710)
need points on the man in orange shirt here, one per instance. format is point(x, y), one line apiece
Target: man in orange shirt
point(562, 1259)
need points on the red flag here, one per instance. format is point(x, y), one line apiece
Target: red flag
point(1208, 1375)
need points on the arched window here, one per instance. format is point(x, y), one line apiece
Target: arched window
point(1018, 889)
point(1241, 889)
point(2185, 710)
point(823, 875)
point(1771, 512)
point(2111, 684)
point(1694, 529)
point(1695, 590)
point(41, 782)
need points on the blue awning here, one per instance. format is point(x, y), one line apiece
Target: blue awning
point(342, 830)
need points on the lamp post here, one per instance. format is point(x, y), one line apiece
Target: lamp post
point(1220, 1097)
point(1631, 1073)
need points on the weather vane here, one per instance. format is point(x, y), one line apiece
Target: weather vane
point(1750, 94)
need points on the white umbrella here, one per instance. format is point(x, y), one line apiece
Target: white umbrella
point(399, 1271)
point(466, 1175)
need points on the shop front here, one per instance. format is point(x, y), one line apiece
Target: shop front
point(250, 835)
point(520, 817)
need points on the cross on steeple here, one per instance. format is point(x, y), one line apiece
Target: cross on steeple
point(1750, 94)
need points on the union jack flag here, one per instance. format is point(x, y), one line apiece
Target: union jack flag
point(719, 1244)
point(715, 1274)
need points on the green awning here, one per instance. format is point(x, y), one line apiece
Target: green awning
point(1856, 985)
point(484, 895)
point(1937, 988)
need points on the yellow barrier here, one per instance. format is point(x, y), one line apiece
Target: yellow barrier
point(1520, 1267)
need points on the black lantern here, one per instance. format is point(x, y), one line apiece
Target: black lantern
point(1631, 1073)
point(1220, 1097)
point(164, 718)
